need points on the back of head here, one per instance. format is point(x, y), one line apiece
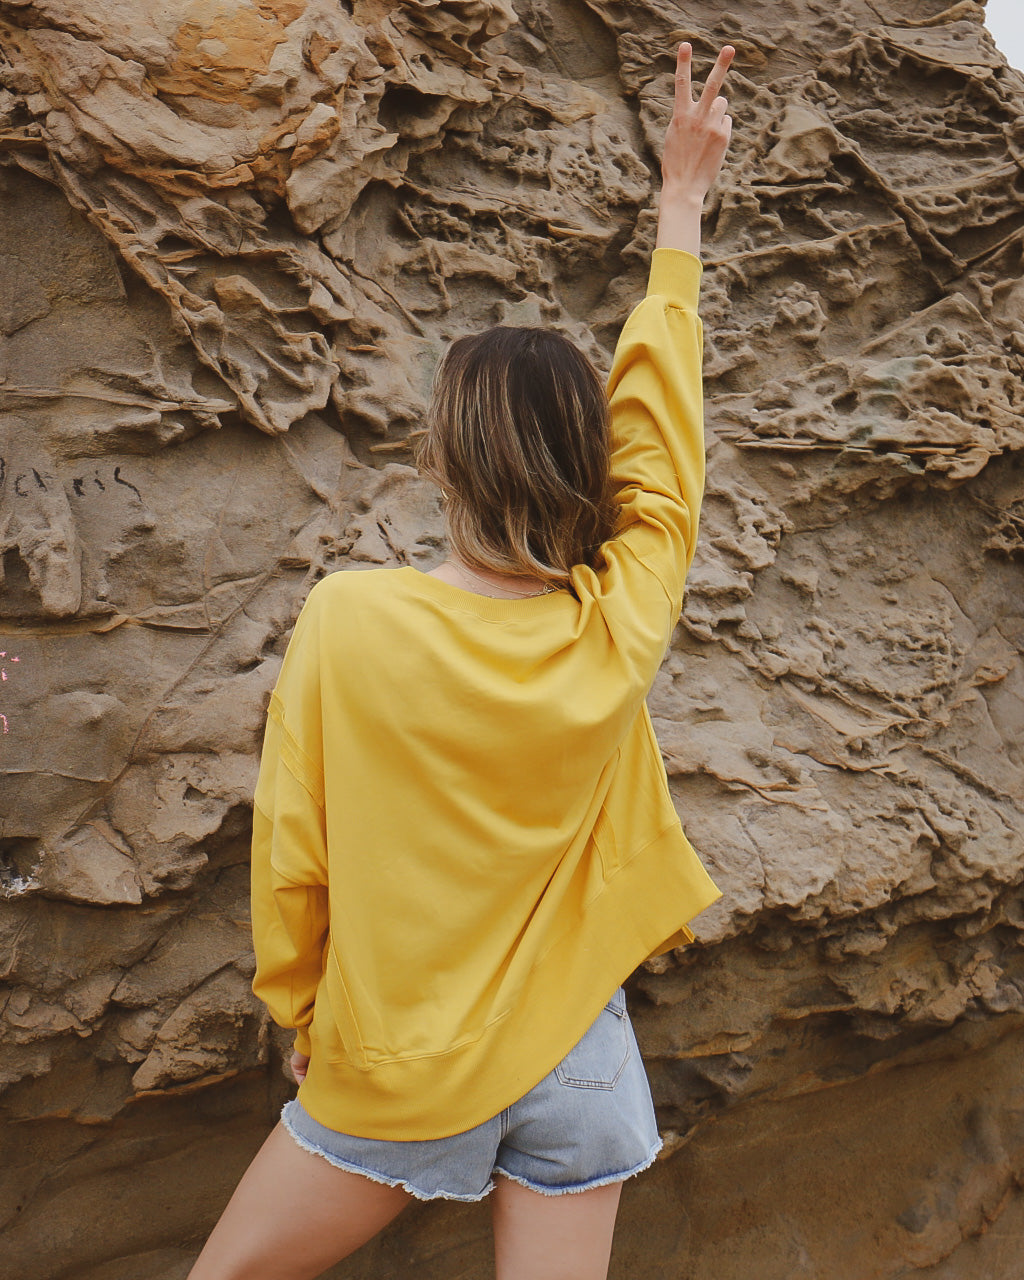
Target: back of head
point(519, 441)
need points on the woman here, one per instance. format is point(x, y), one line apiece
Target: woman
point(463, 837)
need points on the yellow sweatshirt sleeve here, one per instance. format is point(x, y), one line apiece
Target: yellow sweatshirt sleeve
point(656, 402)
point(289, 865)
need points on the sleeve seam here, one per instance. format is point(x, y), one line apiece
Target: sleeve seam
point(294, 759)
point(642, 560)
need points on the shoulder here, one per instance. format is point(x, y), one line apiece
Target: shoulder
point(331, 602)
point(346, 588)
point(340, 583)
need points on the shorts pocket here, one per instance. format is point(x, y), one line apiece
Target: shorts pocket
point(598, 1060)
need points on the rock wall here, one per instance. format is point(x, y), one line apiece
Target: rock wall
point(236, 234)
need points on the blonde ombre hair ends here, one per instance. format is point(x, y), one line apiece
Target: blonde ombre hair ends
point(518, 440)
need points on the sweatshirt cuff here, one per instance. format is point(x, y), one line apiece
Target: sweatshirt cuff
point(302, 1041)
point(675, 276)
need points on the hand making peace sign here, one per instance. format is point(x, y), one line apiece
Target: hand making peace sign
point(696, 141)
point(698, 134)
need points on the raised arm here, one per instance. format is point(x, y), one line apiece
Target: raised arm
point(655, 390)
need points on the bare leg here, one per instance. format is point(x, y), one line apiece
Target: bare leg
point(294, 1215)
point(566, 1237)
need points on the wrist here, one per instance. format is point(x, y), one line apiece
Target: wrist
point(682, 195)
point(679, 227)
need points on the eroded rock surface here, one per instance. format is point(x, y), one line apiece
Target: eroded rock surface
point(235, 237)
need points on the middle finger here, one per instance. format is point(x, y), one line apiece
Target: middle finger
point(718, 73)
point(684, 61)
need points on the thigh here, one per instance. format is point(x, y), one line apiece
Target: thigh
point(553, 1237)
point(293, 1216)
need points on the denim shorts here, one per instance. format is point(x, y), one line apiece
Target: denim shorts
point(588, 1123)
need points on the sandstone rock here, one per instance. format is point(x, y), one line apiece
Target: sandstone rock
point(234, 238)
point(211, 1033)
point(91, 865)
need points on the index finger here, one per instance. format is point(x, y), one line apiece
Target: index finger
point(718, 73)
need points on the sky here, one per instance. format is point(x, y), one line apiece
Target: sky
point(1005, 21)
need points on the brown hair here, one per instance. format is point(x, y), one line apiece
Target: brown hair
point(518, 439)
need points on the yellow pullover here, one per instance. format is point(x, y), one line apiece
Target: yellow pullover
point(463, 837)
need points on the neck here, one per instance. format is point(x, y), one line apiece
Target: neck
point(456, 571)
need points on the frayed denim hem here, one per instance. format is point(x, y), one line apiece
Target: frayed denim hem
point(373, 1176)
point(604, 1181)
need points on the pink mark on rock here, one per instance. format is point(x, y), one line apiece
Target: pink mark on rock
point(4, 677)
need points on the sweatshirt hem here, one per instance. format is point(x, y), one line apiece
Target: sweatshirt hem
point(406, 1099)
